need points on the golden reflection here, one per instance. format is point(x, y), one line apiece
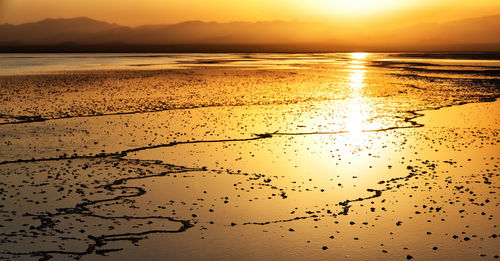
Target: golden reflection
point(355, 119)
point(357, 58)
point(356, 80)
point(356, 106)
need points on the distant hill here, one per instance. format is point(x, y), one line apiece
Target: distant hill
point(80, 34)
point(51, 31)
point(483, 31)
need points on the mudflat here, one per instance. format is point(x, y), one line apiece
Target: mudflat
point(322, 157)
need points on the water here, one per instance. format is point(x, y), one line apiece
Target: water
point(249, 156)
point(47, 63)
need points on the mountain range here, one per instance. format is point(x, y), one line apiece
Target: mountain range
point(85, 34)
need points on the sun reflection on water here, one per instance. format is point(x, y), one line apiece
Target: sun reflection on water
point(359, 56)
point(356, 107)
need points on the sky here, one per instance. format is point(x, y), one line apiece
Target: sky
point(140, 12)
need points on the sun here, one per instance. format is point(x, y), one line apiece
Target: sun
point(361, 6)
point(356, 8)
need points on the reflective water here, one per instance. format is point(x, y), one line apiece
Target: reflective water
point(254, 157)
point(24, 63)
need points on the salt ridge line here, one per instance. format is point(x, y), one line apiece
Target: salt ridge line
point(258, 136)
point(100, 241)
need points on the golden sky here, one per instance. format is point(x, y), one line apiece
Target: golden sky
point(139, 12)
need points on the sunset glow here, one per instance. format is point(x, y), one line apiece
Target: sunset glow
point(262, 130)
point(359, 7)
point(129, 12)
point(357, 105)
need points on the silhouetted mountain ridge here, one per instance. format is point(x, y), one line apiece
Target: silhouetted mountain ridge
point(479, 33)
point(478, 30)
point(53, 30)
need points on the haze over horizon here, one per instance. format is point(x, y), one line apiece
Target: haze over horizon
point(73, 34)
point(197, 130)
point(318, 25)
point(377, 14)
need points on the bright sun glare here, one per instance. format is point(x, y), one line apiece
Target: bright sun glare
point(356, 110)
point(359, 7)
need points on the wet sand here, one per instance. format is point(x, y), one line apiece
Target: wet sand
point(430, 194)
point(377, 170)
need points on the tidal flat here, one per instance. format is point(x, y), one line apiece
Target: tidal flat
point(250, 157)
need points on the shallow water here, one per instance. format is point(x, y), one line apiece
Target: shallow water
point(230, 156)
point(25, 63)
